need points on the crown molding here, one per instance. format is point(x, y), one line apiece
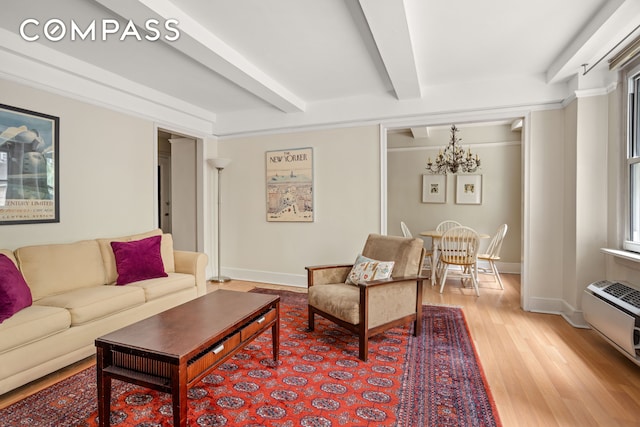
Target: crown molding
point(41, 67)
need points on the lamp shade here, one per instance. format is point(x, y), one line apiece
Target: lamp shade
point(219, 163)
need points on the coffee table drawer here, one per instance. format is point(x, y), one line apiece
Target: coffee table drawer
point(258, 324)
point(212, 355)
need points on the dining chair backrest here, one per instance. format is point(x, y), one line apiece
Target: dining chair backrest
point(460, 246)
point(405, 230)
point(496, 242)
point(446, 225)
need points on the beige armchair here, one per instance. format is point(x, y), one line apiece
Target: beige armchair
point(372, 307)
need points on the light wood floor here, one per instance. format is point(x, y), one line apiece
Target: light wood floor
point(541, 370)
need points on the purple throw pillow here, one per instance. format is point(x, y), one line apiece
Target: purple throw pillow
point(14, 291)
point(138, 260)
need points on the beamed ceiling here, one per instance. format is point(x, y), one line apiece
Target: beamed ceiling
point(246, 66)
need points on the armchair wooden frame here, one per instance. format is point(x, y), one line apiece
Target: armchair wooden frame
point(361, 328)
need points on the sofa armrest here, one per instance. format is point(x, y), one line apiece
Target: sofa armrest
point(193, 263)
point(327, 274)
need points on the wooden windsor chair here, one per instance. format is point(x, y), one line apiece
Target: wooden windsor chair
point(459, 247)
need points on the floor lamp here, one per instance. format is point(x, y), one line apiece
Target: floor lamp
point(219, 164)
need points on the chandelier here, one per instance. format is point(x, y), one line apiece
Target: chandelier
point(454, 159)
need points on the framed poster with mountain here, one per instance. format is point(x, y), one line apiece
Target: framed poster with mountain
point(290, 185)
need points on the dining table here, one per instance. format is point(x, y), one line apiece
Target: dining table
point(436, 235)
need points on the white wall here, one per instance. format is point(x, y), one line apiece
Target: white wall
point(566, 193)
point(543, 221)
point(107, 171)
point(107, 185)
point(347, 180)
point(499, 150)
point(569, 201)
point(585, 189)
point(184, 194)
point(347, 204)
point(590, 195)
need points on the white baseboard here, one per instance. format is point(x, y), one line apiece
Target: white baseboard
point(504, 267)
point(559, 307)
point(287, 279)
point(300, 280)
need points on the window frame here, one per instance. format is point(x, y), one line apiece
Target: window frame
point(632, 159)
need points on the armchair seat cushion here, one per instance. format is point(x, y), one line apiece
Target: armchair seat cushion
point(340, 299)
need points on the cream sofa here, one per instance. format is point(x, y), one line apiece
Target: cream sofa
point(75, 301)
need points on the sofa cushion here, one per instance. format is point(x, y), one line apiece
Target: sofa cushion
point(138, 260)
point(157, 288)
point(58, 268)
point(32, 324)
point(88, 304)
point(166, 250)
point(14, 292)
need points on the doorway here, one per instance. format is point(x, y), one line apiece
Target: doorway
point(164, 191)
point(178, 188)
point(500, 145)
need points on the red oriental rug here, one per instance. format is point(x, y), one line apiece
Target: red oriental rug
point(431, 380)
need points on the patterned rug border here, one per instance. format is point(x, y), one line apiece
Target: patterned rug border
point(58, 399)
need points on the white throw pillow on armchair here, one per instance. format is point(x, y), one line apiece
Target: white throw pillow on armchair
point(367, 269)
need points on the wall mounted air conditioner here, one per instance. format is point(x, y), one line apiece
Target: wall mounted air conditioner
point(613, 310)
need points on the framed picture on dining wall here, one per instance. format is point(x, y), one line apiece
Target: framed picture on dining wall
point(434, 188)
point(29, 176)
point(469, 189)
point(290, 185)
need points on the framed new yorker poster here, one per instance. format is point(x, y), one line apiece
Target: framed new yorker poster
point(29, 190)
point(290, 185)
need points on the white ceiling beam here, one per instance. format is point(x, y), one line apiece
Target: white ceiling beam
point(27, 63)
point(198, 43)
point(420, 132)
point(388, 24)
point(606, 28)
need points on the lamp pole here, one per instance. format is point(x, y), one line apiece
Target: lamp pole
point(219, 164)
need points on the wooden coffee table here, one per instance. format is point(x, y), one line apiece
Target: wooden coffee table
point(173, 350)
